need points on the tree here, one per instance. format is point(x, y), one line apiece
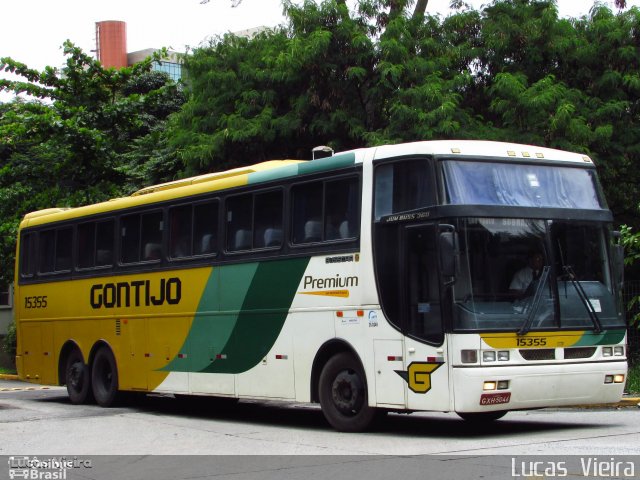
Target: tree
point(388, 72)
point(83, 137)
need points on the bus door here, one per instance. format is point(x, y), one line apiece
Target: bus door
point(426, 372)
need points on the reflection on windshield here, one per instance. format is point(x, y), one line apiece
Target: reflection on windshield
point(525, 185)
point(527, 274)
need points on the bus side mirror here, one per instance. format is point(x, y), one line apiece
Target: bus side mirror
point(448, 248)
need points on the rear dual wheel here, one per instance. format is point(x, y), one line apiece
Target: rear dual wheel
point(78, 379)
point(104, 378)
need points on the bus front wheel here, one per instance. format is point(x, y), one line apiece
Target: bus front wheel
point(77, 378)
point(343, 394)
point(104, 378)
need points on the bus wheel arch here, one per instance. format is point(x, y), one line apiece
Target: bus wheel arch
point(75, 373)
point(104, 375)
point(326, 351)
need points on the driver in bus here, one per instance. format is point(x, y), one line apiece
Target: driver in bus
point(527, 275)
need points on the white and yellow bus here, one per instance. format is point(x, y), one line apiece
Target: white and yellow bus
point(374, 280)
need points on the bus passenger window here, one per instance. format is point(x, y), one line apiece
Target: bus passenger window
point(152, 235)
point(325, 211)
point(55, 250)
point(205, 228)
point(307, 212)
point(27, 254)
point(239, 216)
point(268, 220)
point(180, 231)
point(104, 243)
point(130, 239)
point(47, 251)
point(86, 244)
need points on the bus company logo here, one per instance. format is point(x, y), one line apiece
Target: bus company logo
point(136, 293)
point(418, 375)
point(337, 286)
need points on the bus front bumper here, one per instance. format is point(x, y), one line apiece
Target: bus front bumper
point(537, 386)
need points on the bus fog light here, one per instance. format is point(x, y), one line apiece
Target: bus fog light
point(618, 378)
point(503, 356)
point(490, 385)
point(503, 384)
point(489, 356)
point(469, 356)
point(608, 379)
point(618, 351)
point(606, 351)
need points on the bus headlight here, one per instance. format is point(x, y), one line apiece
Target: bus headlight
point(489, 385)
point(489, 356)
point(607, 351)
point(503, 356)
point(618, 351)
point(469, 356)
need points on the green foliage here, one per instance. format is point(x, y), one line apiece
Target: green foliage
point(88, 134)
point(380, 74)
point(10, 340)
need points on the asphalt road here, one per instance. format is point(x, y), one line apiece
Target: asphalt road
point(41, 421)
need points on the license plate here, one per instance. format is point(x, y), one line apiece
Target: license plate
point(495, 398)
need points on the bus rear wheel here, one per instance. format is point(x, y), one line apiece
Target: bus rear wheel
point(104, 378)
point(343, 394)
point(77, 378)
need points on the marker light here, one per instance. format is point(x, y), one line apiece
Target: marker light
point(618, 351)
point(503, 356)
point(489, 356)
point(469, 356)
point(607, 351)
point(503, 384)
point(490, 385)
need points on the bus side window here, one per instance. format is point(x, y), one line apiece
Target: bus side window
point(130, 238)
point(151, 236)
point(326, 210)
point(180, 230)
point(205, 228)
point(27, 254)
point(104, 243)
point(55, 250)
point(268, 219)
point(239, 216)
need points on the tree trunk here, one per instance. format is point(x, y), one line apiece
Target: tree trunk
point(421, 7)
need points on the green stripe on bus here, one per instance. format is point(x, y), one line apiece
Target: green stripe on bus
point(330, 163)
point(240, 315)
point(263, 314)
point(607, 337)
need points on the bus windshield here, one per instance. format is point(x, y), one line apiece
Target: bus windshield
point(517, 184)
point(526, 274)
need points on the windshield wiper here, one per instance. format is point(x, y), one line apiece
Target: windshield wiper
point(568, 269)
point(535, 301)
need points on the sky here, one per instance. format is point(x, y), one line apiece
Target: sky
point(32, 31)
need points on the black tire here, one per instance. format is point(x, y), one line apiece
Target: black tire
point(482, 417)
point(104, 378)
point(78, 378)
point(343, 394)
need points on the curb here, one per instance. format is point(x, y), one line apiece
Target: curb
point(6, 376)
point(629, 402)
